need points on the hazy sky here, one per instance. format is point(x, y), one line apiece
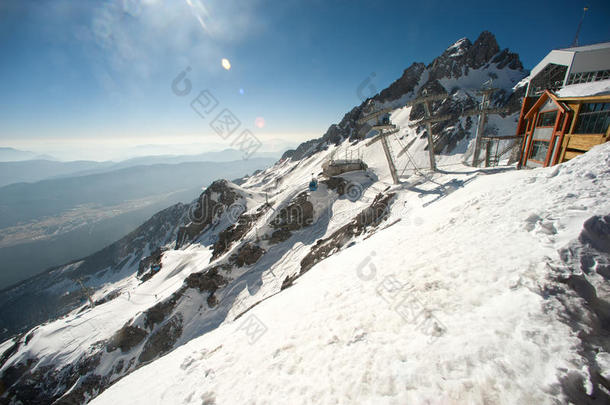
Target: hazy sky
point(96, 76)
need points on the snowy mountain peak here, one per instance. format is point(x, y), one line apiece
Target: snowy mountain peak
point(460, 71)
point(458, 48)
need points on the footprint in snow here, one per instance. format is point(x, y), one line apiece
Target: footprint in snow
point(547, 228)
point(531, 221)
point(359, 335)
point(208, 398)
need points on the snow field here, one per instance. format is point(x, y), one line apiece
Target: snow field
point(475, 261)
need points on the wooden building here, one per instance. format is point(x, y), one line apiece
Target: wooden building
point(566, 110)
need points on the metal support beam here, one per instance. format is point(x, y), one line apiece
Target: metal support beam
point(86, 292)
point(477, 111)
point(383, 137)
point(430, 140)
point(479, 135)
point(430, 120)
point(388, 156)
point(484, 110)
point(372, 141)
point(424, 99)
point(381, 127)
point(376, 114)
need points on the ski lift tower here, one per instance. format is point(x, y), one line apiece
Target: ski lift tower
point(385, 128)
point(428, 120)
point(86, 292)
point(483, 111)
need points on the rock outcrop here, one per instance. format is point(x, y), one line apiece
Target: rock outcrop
point(209, 207)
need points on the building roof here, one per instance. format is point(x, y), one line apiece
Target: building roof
point(586, 48)
point(547, 95)
point(585, 89)
point(588, 58)
point(559, 57)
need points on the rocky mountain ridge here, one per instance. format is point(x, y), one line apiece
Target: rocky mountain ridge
point(456, 62)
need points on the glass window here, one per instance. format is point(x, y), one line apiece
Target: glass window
point(547, 119)
point(539, 150)
point(594, 118)
point(585, 77)
point(551, 78)
point(562, 118)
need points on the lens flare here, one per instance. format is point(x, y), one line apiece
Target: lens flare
point(259, 122)
point(225, 63)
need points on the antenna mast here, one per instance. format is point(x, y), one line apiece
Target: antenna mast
point(584, 11)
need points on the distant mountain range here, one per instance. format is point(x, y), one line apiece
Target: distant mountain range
point(35, 169)
point(15, 155)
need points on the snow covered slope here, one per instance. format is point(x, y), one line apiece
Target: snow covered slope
point(449, 306)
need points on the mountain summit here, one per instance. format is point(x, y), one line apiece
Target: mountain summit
point(461, 70)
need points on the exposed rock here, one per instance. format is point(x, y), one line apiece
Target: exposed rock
point(89, 386)
point(405, 84)
point(279, 236)
point(288, 281)
point(10, 351)
point(108, 297)
point(212, 203)
point(30, 383)
point(14, 372)
point(126, 338)
point(208, 281)
point(507, 58)
point(153, 259)
point(235, 232)
point(296, 215)
point(160, 311)
point(305, 149)
point(118, 367)
point(289, 154)
point(481, 52)
point(248, 254)
point(370, 216)
point(596, 233)
point(163, 340)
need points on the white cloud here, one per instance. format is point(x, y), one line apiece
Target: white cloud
point(140, 38)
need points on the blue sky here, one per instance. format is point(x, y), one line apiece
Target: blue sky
point(94, 77)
